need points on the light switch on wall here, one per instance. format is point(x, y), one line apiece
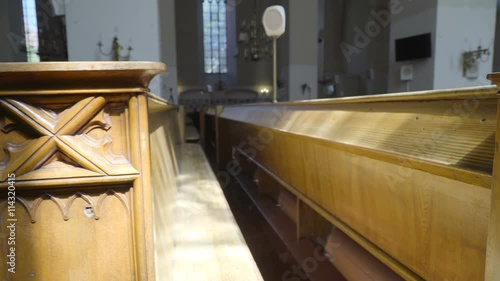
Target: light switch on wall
point(472, 71)
point(406, 73)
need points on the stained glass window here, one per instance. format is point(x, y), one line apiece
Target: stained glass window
point(215, 36)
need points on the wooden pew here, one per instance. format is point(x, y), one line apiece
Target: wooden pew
point(166, 157)
point(100, 168)
point(76, 137)
point(407, 176)
point(196, 237)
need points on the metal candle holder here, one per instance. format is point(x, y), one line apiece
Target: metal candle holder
point(116, 50)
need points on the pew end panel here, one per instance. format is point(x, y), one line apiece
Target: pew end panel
point(76, 138)
point(105, 187)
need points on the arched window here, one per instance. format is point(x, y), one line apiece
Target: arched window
point(31, 30)
point(215, 36)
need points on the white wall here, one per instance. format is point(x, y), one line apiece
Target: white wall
point(373, 57)
point(496, 54)
point(11, 31)
point(168, 48)
point(59, 7)
point(462, 25)
point(456, 26)
point(343, 21)
point(133, 22)
point(333, 14)
point(190, 52)
point(377, 62)
point(303, 52)
point(283, 57)
point(251, 74)
point(189, 41)
point(5, 47)
point(416, 17)
point(189, 29)
point(356, 18)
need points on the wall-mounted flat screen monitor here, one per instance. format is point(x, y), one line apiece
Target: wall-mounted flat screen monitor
point(413, 48)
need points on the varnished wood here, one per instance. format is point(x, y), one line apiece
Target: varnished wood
point(267, 185)
point(401, 174)
point(288, 204)
point(492, 271)
point(309, 222)
point(352, 260)
point(64, 234)
point(182, 122)
point(436, 122)
point(78, 76)
point(97, 160)
point(246, 165)
point(203, 127)
point(165, 156)
point(373, 249)
point(64, 183)
point(480, 92)
point(77, 139)
point(304, 251)
point(208, 243)
point(193, 225)
point(192, 134)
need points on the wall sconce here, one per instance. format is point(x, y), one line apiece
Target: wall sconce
point(116, 50)
point(264, 91)
point(305, 87)
point(471, 61)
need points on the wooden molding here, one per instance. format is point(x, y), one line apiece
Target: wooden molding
point(32, 205)
point(82, 131)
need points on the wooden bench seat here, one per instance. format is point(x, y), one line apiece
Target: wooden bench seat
point(208, 244)
point(192, 134)
point(196, 236)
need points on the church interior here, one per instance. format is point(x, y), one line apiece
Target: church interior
point(242, 140)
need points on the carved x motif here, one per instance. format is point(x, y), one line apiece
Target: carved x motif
point(55, 133)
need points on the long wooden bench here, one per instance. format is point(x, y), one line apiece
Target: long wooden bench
point(195, 232)
point(409, 176)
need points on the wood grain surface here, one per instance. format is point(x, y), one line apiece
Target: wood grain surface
point(76, 137)
point(408, 176)
point(207, 239)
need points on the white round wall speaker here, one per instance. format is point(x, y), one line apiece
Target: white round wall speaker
point(274, 21)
